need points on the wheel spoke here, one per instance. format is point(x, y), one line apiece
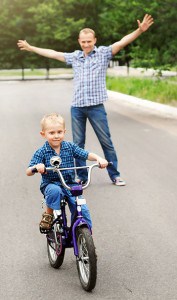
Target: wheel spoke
point(87, 260)
point(55, 250)
point(84, 260)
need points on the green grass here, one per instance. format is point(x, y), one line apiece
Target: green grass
point(34, 72)
point(19, 72)
point(157, 90)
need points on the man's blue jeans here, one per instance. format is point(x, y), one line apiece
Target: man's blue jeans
point(98, 119)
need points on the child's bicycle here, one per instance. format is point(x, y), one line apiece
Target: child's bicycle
point(78, 235)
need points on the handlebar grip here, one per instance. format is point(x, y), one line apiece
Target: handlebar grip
point(110, 163)
point(34, 170)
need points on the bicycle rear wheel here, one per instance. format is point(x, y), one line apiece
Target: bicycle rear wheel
point(55, 250)
point(87, 259)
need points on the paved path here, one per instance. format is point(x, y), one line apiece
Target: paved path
point(134, 226)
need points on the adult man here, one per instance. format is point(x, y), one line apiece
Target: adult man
point(89, 66)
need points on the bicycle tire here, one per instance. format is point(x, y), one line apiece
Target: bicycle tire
point(56, 252)
point(87, 259)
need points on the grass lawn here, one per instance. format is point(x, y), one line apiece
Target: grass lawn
point(157, 90)
point(34, 72)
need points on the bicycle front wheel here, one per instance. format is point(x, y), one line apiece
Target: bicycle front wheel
point(55, 250)
point(87, 259)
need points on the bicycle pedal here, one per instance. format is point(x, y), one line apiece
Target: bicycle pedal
point(44, 231)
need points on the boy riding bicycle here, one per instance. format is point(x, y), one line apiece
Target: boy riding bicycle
point(53, 130)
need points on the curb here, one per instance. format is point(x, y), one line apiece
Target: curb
point(152, 107)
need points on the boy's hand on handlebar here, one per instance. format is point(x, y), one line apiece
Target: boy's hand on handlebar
point(40, 168)
point(102, 162)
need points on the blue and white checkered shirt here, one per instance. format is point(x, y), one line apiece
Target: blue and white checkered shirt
point(89, 75)
point(68, 152)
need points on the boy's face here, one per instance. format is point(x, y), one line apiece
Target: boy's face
point(87, 42)
point(54, 134)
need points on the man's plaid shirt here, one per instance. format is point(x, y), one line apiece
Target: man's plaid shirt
point(68, 152)
point(89, 75)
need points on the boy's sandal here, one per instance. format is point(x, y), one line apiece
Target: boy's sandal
point(46, 221)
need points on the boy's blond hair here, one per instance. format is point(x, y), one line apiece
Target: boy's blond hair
point(52, 118)
point(87, 30)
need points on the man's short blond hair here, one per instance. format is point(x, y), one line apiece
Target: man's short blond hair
point(87, 30)
point(52, 118)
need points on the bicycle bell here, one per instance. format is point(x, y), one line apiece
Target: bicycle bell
point(55, 161)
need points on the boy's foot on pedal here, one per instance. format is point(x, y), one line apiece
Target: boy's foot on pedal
point(46, 221)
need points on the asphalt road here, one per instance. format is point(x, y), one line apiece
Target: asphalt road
point(134, 227)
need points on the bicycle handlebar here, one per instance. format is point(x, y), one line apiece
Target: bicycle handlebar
point(58, 170)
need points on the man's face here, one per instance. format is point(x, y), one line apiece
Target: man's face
point(87, 42)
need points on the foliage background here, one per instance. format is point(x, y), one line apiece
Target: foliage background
point(55, 24)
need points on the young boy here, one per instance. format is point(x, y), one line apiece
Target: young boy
point(53, 130)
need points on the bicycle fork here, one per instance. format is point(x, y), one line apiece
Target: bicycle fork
point(80, 221)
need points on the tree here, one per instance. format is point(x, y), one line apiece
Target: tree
point(15, 19)
point(55, 24)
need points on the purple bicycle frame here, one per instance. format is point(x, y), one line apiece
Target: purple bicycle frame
point(80, 221)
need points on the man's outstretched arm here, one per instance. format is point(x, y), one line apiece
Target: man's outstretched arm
point(23, 45)
point(142, 27)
